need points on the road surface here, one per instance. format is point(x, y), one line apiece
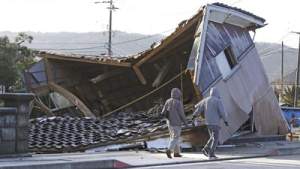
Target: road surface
point(279, 162)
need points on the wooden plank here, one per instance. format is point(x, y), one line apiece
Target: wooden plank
point(174, 48)
point(163, 53)
point(161, 75)
point(82, 60)
point(106, 75)
point(72, 98)
point(139, 74)
point(195, 88)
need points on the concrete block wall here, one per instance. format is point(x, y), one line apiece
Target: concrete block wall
point(8, 130)
point(14, 123)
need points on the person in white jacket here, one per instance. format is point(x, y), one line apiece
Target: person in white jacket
point(213, 110)
point(174, 112)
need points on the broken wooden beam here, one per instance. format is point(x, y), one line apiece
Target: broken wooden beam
point(72, 98)
point(43, 107)
point(139, 74)
point(105, 75)
point(161, 75)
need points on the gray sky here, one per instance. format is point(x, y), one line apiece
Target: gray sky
point(140, 16)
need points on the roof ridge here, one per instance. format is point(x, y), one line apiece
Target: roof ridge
point(239, 10)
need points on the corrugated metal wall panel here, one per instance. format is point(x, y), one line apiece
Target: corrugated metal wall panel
point(218, 37)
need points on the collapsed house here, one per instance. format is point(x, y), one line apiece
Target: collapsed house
point(214, 48)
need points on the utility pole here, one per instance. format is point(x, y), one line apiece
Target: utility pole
point(282, 53)
point(111, 8)
point(297, 74)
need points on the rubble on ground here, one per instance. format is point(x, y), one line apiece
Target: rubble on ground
point(70, 134)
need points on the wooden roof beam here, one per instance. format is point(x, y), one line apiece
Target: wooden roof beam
point(136, 67)
point(139, 74)
point(161, 75)
point(106, 75)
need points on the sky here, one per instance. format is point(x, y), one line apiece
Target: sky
point(141, 16)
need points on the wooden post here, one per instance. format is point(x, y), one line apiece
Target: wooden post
point(181, 81)
point(282, 49)
point(196, 89)
point(49, 73)
point(297, 74)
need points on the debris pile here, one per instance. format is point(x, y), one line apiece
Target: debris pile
point(69, 134)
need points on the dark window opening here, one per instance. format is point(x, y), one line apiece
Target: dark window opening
point(230, 57)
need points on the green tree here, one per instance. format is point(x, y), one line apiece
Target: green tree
point(14, 59)
point(288, 95)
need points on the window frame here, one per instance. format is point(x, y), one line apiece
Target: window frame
point(231, 61)
point(230, 56)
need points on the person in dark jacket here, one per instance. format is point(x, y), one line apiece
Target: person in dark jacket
point(174, 112)
point(213, 110)
point(293, 124)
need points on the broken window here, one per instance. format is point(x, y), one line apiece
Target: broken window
point(226, 61)
point(230, 57)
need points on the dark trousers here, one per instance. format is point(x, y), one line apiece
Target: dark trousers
point(212, 143)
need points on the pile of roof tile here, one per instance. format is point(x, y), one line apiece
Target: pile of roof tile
point(67, 134)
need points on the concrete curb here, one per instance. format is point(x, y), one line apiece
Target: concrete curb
point(101, 164)
point(284, 151)
point(115, 164)
point(197, 161)
point(275, 152)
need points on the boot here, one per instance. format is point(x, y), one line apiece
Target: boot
point(168, 152)
point(205, 152)
point(212, 157)
point(177, 155)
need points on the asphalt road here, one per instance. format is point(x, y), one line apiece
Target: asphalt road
point(279, 162)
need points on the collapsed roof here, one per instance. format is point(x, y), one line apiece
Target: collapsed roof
point(104, 84)
point(100, 84)
point(187, 59)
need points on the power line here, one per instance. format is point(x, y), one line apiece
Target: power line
point(93, 47)
point(103, 46)
point(117, 43)
point(281, 39)
point(111, 9)
point(138, 39)
point(297, 73)
point(270, 50)
point(68, 42)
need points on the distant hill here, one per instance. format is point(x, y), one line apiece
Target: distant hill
point(270, 54)
point(95, 43)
